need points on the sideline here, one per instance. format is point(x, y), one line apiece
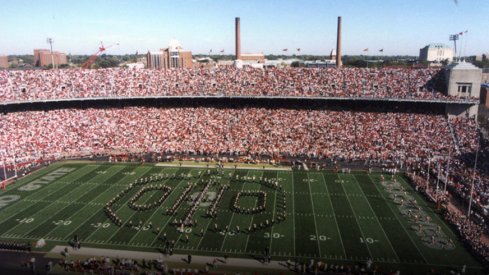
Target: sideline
point(226, 166)
point(236, 263)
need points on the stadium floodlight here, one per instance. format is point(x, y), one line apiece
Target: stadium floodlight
point(454, 38)
point(50, 41)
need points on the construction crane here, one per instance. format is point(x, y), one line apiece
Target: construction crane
point(93, 57)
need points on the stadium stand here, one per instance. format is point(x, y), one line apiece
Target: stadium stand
point(414, 139)
point(396, 83)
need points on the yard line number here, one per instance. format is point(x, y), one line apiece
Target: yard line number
point(26, 220)
point(368, 240)
point(267, 235)
point(321, 238)
point(62, 222)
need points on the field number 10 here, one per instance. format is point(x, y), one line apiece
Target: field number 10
point(367, 240)
point(274, 235)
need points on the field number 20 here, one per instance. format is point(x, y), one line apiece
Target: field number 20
point(319, 237)
point(62, 222)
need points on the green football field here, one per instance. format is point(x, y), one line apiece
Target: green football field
point(333, 217)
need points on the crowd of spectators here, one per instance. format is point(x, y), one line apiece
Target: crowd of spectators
point(461, 169)
point(105, 265)
point(9, 245)
point(470, 233)
point(398, 83)
point(32, 135)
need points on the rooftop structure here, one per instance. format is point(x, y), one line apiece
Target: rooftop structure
point(172, 57)
point(436, 52)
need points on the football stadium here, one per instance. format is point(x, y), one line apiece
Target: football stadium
point(242, 169)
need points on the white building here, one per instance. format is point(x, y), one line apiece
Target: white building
point(464, 81)
point(436, 52)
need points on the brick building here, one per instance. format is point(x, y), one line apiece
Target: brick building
point(42, 57)
point(252, 57)
point(3, 61)
point(172, 57)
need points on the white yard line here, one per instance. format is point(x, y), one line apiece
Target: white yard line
point(51, 185)
point(433, 215)
point(314, 216)
point(49, 205)
point(232, 216)
point(334, 216)
point(149, 219)
point(395, 214)
point(209, 221)
point(293, 211)
point(377, 219)
point(356, 220)
point(169, 217)
point(273, 216)
point(96, 212)
point(129, 219)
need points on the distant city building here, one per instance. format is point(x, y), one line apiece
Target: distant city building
point(172, 57)
point(485, 76)
point(137, 65)
point(3, 61)
point(253, 58)
point(482, 57)
point(436, 52)
point(42, 57)
point(321, 63)
point(205, 62)
point(154, 60)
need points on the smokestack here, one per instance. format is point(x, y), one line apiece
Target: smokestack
point(238, 39)
point(338, 44)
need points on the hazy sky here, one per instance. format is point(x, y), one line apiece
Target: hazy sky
point(268, 26)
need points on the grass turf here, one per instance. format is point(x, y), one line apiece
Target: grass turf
point(337, 218)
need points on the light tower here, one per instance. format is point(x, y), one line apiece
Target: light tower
point(50, 42)
point(454, 38)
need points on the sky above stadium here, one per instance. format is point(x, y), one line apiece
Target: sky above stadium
point(268, 26)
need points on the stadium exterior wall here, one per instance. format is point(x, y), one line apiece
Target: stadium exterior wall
point(453, 110)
